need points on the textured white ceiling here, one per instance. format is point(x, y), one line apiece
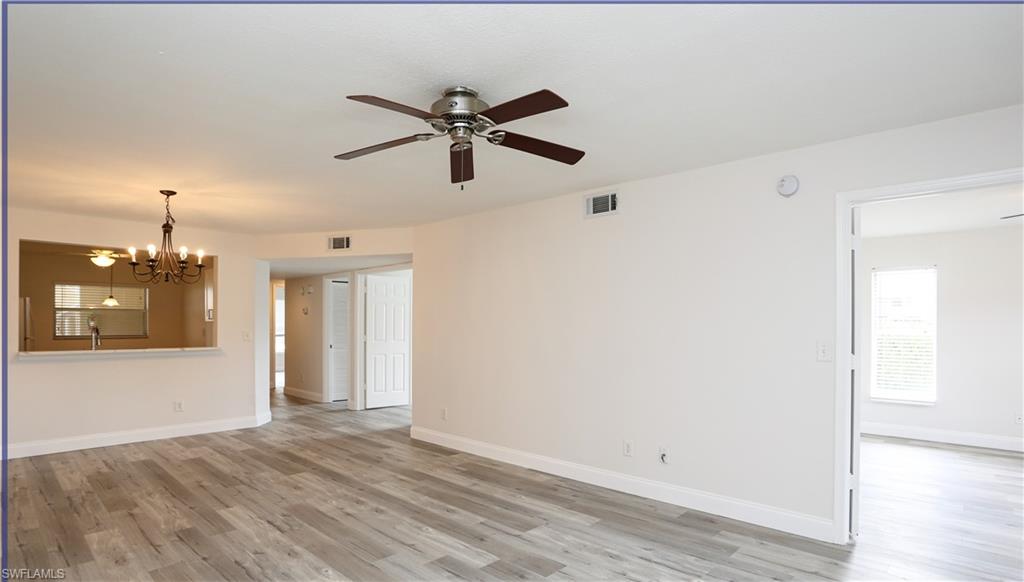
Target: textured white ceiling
point(241, 107)
point(950, 211)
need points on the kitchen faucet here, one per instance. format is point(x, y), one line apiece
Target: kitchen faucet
point(94, 333)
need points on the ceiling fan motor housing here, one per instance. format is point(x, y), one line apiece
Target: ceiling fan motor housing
point(458, 100)
point(457, 113)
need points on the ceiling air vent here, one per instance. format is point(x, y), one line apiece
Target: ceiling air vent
point(337, 243)
point(602, 204)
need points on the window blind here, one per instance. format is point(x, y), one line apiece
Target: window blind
point(75, 305)
point(903, 329)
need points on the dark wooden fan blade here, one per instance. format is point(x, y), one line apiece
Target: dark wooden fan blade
point(539, 147)
point(371, 100)
point(462, 165)
point(377, 148)
point(525, 106)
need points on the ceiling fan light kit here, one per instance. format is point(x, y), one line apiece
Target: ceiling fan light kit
point(102, 258)
point(460, 115)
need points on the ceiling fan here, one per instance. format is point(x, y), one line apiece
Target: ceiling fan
point(460, 114)
point(99, 257)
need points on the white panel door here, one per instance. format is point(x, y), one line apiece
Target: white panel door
point(388, 301)
point(340, 354)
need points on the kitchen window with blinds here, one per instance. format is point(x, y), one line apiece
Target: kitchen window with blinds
point(75, 305)
point(903, 332)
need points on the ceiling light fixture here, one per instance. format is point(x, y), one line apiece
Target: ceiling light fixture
point(102, 258)
point(110, 301)
point(167, 265)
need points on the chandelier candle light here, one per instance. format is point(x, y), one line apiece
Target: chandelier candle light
point(167, 265)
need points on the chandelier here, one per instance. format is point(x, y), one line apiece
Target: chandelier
point(167, 265)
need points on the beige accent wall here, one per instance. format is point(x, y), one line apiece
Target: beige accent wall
point(175, 311)
point(304, 338)
point(198, 332)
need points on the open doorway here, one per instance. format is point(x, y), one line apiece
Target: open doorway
point(279, 335)
point(929, 369)
point(324, 326)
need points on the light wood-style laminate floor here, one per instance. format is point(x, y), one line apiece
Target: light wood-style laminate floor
point(322, 493)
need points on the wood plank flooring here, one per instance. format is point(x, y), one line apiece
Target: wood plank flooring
point(322, 493)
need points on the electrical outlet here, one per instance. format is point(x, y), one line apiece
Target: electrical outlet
point(1020, 420)
point(627, 448)
point(444, 413)
point(179, 406)
point(663, 455)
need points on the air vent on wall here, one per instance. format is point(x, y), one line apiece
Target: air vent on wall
point(602, 204)
point(337, 243)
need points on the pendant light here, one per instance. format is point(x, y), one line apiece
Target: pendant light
point(110, 301)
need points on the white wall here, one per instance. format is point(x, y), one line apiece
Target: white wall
point(65, 403)
point(382, 241)
point(689, 320)
point(304, 338)
point(979, 367)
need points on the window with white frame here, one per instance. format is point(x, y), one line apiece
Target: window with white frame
point(76, 305)
point(903, 325)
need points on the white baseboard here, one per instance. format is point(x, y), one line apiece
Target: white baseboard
point(954, 437)
point(263, 418)
point(785, 520)
point(106, 439)
point(304, 394)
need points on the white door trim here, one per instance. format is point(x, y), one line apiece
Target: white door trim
point(844, 241)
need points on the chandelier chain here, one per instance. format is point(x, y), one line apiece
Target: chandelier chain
point(167, 204)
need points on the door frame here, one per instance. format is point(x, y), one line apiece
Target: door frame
point(844, 453)
point(357, 282)
point(275, 284)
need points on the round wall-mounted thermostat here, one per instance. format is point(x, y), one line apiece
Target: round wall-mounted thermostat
point(787, 185)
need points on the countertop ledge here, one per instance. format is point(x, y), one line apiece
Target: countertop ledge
point(120, 353)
